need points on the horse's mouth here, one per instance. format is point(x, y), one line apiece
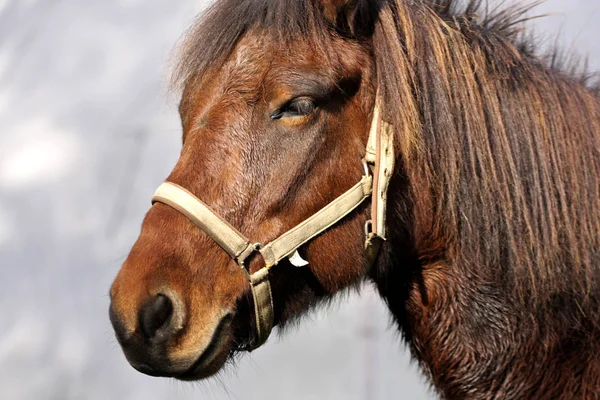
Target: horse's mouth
point(214, 355)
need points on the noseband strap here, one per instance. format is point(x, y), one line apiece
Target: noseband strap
point(226, 236)
point(379, 154)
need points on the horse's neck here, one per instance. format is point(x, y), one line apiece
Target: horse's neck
point(471, 335)
point(473, 340)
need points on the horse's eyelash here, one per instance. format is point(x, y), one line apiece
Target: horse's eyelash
point(286, 107)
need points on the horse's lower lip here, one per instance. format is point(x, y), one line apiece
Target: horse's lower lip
point(208, 355)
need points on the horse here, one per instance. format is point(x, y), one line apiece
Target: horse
point(431, 128)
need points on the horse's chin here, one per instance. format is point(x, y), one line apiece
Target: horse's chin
point(214, 357)
point(203, 369)
point(194, 364)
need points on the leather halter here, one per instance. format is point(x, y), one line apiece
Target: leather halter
point(379, 155)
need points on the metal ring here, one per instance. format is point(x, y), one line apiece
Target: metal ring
point(246, 272)
point(258, 246)
point(368, 227)
point(366, 167)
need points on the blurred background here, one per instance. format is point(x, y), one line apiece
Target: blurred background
point(88, 130)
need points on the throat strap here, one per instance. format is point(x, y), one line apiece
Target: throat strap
point(286, 244)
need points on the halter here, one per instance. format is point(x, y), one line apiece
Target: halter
point(379, 155)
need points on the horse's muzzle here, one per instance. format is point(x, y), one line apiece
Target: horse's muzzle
point(151, 346)
point(159, 321)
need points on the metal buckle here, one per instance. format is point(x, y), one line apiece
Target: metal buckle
point(256, 247)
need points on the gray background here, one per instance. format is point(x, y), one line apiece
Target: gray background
point(87, 133)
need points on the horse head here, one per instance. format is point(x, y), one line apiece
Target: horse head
point(272, 133)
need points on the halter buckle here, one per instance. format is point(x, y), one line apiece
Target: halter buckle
point(241, 260)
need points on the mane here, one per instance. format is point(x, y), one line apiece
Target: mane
point(214, 35)
point(502, 151)
point(500, 146)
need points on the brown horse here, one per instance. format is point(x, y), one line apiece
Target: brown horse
point(491, 267)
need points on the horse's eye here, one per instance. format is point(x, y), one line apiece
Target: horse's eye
point(298, 107)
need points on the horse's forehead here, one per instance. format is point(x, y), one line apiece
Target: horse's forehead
point(258, 55)
point(262, 67)
point(242, 74)
point(252, 54)
point(234, 81)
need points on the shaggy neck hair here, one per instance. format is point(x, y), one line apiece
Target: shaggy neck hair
point(502, 152)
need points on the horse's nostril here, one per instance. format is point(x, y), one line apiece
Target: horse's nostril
point(154, 315)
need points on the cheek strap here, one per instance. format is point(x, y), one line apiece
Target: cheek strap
point(379, 155)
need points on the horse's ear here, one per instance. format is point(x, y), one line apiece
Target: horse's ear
point(349, 16)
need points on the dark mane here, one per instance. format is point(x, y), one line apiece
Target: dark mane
point(216, 32)
point(501, 148)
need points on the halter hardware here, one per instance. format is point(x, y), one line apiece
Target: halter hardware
point(379, 156)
